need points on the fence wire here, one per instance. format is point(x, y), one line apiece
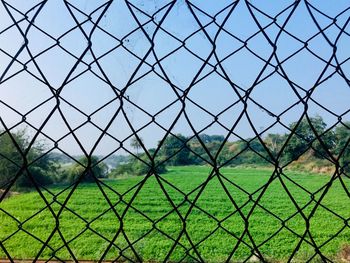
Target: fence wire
point(80, 36)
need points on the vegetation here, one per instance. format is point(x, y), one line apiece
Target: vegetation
point(181, 164)
point(175, 151)
point(136, 143)
point(342, 148)
point(212, 207)
point(309, 147)
point(83, 171)
point(137, 165)
point(311, 142)
point(305, 137)
point(23, 165)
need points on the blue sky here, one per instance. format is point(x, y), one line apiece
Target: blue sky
point(151, 93)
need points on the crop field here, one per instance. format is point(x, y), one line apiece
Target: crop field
point(214, 225)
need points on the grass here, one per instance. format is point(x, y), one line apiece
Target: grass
point(212, 208)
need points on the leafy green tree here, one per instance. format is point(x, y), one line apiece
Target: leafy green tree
point(175, 148)
point(14, 166)
point(342, 134)
point(304, 138)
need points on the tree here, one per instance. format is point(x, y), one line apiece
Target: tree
point(136, 143)
point(274, 142)
point(96, 169)
point(304, 137)
point(205, 138)
point(20, 169)
point(175, 148)
point(342, 134)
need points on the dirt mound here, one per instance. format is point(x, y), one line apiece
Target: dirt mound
point(345, 253)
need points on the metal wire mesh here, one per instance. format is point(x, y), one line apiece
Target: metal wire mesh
point(217, 44)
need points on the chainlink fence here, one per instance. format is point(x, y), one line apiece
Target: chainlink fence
point(80, 79)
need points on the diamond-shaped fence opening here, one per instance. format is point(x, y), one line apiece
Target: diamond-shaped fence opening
point(179, 131)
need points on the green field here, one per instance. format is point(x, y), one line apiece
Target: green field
point(213, 223)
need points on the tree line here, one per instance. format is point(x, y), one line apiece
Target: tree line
point(22, 163)
point(310, 139)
